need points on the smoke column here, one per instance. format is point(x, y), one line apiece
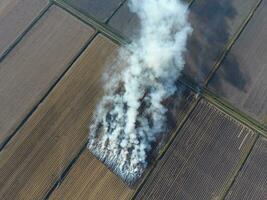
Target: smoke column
point(131, 116)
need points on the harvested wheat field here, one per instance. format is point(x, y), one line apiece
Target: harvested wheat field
point(187, 111)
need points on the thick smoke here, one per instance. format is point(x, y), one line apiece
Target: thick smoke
point(131, 115)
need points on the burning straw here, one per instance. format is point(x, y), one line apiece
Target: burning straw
point(131, 116)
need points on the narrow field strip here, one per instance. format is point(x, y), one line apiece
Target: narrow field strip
point(98, 26)
point(235, 113)
point(240, 169)
point(231, 43)
point(100, 10)
point(251, 181)
point(227, 108)
point(126, 24)
point(241, 78)
point(35, 65)
point(115, 11)
point(214, 24)
point(164, 149)
point(55, 133)
point(89, 179)
point(16, 19)
point(202, 160)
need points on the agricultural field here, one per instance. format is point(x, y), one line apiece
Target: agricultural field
point(53, 54)
point(50, 139)
point(24, 82)
point(15, 18)
point(251, 181)
point(203, 158)
point(99, 9)
point(60, 143)
point(241, 78)
point(215, 25)
point(95, 180)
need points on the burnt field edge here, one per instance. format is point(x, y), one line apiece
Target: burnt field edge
point(165, 148)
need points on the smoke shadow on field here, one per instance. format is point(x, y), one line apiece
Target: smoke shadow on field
point(178, 106)
point(212, 23)
point(126, 23)
point(99, 9)
point(230, 73)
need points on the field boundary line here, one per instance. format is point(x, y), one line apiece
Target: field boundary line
point(109, 33)
point(115, 11)
point(231, 43)
point(235, 113)
point(21, 36)
point(3, 56)
point(103, 28)
point(69, 166)
point(204, 93)
point(27, 117)
point(65, 172)
point(165, 148)
point(94, 23)
point(243, 162)
point(118, 39)
point(227, 108)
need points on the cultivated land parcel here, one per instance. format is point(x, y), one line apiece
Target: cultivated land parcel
point(52, 57)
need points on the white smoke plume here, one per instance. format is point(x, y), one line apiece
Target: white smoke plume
point(131, 116)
